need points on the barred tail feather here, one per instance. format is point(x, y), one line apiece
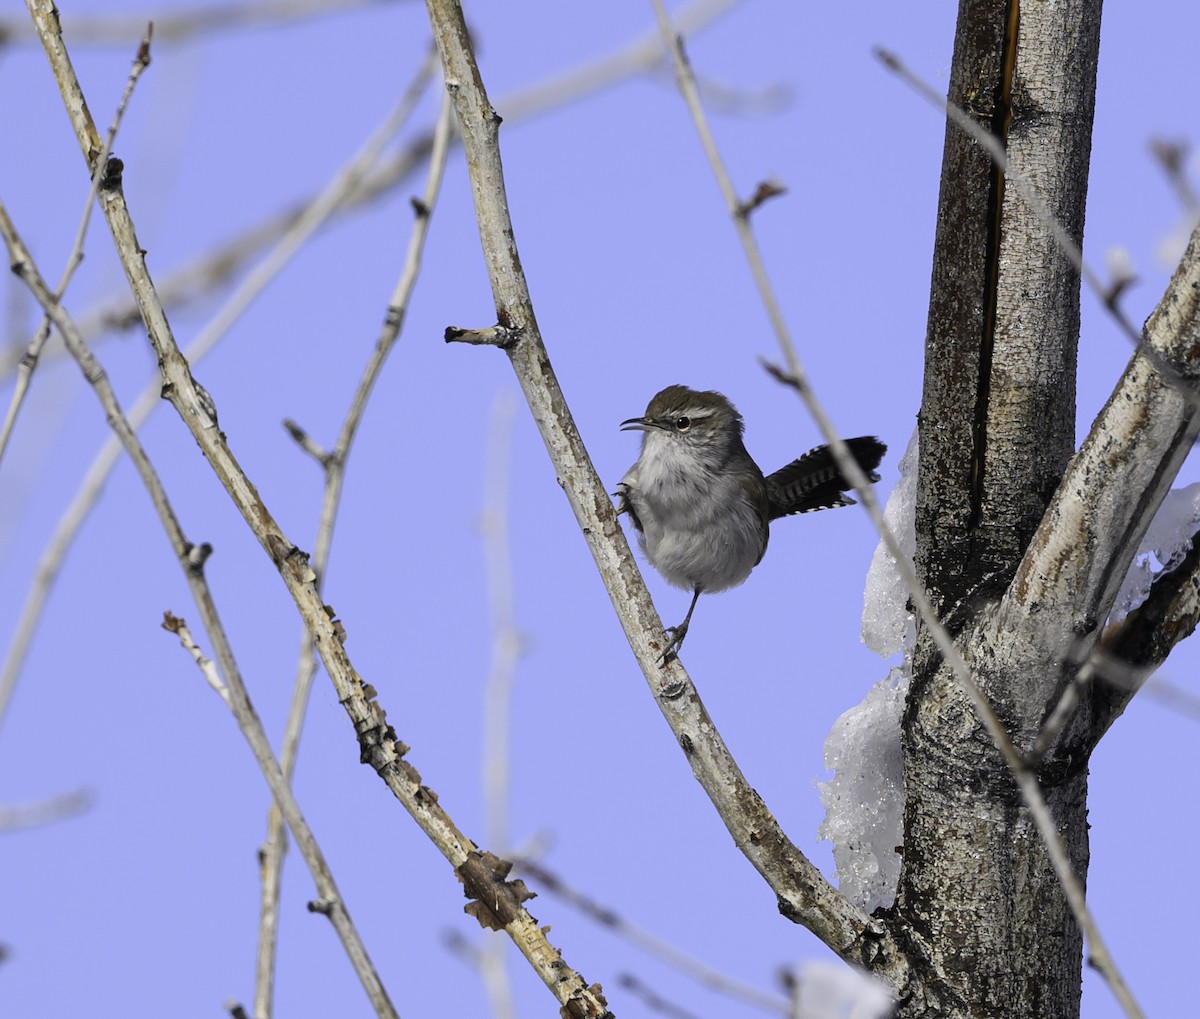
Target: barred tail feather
point(814, 482)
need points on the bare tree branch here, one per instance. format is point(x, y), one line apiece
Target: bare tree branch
point(496, 901)
point(29, 360)
point(803, 892)
point(177, 26)
point(208, 272)
point(191, 559)
point(17, 817)
point(298, 232)
point(796, 376)
point(334, 465)
point(664, 951)
point(332, 904)
point(1114, 484)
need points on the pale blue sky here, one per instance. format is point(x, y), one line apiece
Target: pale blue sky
point(147, 904)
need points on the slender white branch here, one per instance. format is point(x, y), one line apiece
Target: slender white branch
point(796, 376)
point(333, 905)
point(174, 25)
point(18, 817)
point(334, 464)
point(498, 689)
point(332, 196)
point(210, 271)
point(191, 559)
point(803, 892)
point(603, 915)
point(29, 360)
point(496, 902)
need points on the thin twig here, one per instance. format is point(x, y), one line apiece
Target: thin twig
point(333, 906)
point(1026, 779)
point(653, 1001)
point(334, 465)
point(495, 901)
point(705, 975)
point(177, 26)
point(498, 689)
point(307, 443)
point(191, 559)
point(194, 279)
point(29, 360)
point(1172, 157)
point(206, 273)
point(1108, 294)
point(300, 230)
point(18, 817)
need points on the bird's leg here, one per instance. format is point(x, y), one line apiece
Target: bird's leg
point(677, 633)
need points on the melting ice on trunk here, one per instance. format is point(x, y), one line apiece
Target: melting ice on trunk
point(1166, 542)
point(864, 800)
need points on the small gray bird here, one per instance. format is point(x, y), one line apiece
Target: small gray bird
point(702, 507)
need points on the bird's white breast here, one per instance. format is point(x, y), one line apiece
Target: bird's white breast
point(699, 530)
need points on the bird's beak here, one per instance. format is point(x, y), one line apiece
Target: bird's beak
point(636, 425)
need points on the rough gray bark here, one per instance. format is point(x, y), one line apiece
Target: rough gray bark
point(1018, 544)
point(978, 898)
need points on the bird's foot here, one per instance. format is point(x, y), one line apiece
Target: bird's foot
point(676, 633)
point(622, 497)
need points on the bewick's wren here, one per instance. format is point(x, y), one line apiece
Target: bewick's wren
point(702, 507)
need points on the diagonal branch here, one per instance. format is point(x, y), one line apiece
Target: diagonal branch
point(334, 463)
point(299, 229)
point(206, 273)
point(179, 25)
point(804, 894)
point(497, 902)
point(1080, 554)
point(29, 360)
point(1026, 780)
point(191, 559)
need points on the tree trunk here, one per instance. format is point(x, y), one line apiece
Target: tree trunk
point(978, 896)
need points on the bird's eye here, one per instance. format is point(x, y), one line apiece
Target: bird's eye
point(682, 424)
